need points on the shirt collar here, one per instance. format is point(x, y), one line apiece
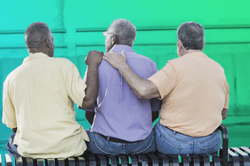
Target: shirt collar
point(35, 56)
point(196, 54)
point(118, 49)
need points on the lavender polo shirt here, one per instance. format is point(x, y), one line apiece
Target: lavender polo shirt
point(119, 112)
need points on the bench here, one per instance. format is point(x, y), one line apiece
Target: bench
point(224, 157)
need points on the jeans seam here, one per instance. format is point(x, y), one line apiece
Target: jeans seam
point(144, 144)
point(206, 147)
point(100, 141)
point(170, 144)
point(209, 139)
point(174, 137)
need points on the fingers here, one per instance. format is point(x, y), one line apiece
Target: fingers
point(123, 52)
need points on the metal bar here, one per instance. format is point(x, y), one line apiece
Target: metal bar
point(205, 159)
point(134, 160)
point(39, 162)
point(113, 160)
point(92, 160)
point(29, 161)
point(124, 160)
point(23, 47)
point(174, 160)
point(224, 149)
point(243, 156)
point(71, 161)
point(102, 160)
point(185, 160)
point(154, 159)
point(8, 160)
point(167, 28)
point(143, 160)
point(81, 161)
point(195, 160)
point(234, 158)
point(164, 159)
point(11, 32)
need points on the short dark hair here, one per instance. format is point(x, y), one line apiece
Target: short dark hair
point(36, 34)
point(192, 35)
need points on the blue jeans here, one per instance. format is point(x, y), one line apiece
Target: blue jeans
point(100, 145)
point(172, 142)
point(11, 147)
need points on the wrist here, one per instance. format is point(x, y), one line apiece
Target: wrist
point(93, 66)
point(122, 66)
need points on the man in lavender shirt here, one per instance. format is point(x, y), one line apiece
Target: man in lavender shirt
point(122, 122)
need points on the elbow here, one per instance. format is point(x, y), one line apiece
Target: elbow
point(143, 93)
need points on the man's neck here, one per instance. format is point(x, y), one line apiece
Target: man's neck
point(36, 50)
point(190, 51)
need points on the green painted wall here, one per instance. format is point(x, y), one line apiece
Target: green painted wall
point(77, 27)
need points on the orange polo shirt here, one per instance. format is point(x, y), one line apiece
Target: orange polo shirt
point(194, 91)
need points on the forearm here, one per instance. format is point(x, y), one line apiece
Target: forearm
point(90, 116)
point(92, 89)
point(155, 115)
point(224, 113)
point(143, 88)
point(14, 130)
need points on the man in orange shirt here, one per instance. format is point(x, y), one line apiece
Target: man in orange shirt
point(194, 91)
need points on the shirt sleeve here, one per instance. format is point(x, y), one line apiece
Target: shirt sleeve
point(9, 116)
point(85, 80)
point(75, 85)
point(165, 79)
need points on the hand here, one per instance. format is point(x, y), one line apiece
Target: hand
point(94, 58)
point(115, 59)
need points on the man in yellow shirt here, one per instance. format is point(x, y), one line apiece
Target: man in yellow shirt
point(39, 97)
point(194, 93)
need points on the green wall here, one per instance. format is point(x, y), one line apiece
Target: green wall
point(77, 28)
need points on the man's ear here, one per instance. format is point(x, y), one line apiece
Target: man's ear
point(49, 43)
point(113, 39)
point(203, 45)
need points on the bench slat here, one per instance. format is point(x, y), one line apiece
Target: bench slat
point(8, 160)
point(113, 160)
point(124, 160)
point(205, 159)
point(233, 158)
point(134, 159)
point(174, 159)
point(164, 158)
point(143, 159)
point(242, 155)
point(195, 160)
point(154, 159)
point(185, 160)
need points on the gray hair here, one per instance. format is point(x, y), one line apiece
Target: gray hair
point(124, 30)
point(36, 34)
point(192, 35)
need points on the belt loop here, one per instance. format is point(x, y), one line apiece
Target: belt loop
point(108, 139)
point(174, 132)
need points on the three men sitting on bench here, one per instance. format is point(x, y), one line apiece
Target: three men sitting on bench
point(38, 98)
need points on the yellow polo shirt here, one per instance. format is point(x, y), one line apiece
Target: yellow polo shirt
point(194, 90)
point(38, 99)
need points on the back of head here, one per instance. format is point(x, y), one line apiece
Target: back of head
point(36, 35)
point(192, 35)
point(124, 30)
